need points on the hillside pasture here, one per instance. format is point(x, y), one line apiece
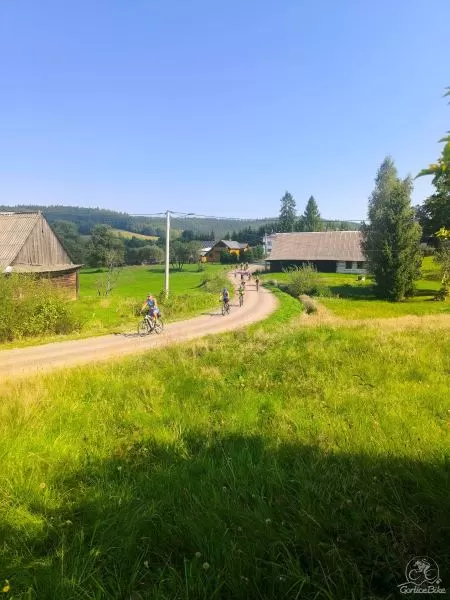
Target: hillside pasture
point(139, 236)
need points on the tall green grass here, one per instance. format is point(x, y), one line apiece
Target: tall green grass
point(274, 462)
point(31, 307)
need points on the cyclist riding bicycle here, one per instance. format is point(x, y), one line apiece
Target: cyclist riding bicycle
point(152, 306)
point(241, 291)
point(225, 297)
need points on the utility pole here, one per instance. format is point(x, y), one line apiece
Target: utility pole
point(166, 278)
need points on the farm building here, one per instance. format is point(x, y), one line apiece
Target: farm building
point(328, 251)
point(28, 245)
point(213, 255)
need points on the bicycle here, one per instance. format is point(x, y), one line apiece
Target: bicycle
point(241, 299)
point(225, 308)
point(149, 325)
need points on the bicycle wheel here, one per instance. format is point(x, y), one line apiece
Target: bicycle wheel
point(158, 325)
point(223, 309)
point(143, 328)
point(241, 300)
point(227, 309)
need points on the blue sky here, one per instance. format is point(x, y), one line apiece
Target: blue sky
point(218, 107)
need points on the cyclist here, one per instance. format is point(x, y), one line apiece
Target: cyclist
point(225, 297)
point(152, 306)
point(257, 283)
point(241, 291)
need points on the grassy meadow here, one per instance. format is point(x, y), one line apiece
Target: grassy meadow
point(273, 462)
point(133, 285)
point(353, 299)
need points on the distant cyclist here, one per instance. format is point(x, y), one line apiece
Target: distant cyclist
point(152, 306)
point(257, 283)
point(241, 291)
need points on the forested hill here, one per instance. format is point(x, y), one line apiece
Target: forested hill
point(86, 218)
point(202, 227)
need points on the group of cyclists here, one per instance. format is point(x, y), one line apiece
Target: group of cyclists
point(225, 296)
point(151, 305)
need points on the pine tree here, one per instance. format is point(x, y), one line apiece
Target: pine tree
point(391, 238)
point(310, 220)
point(286, 220)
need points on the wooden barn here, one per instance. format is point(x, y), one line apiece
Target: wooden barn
point(328, 251)
point(28, 245)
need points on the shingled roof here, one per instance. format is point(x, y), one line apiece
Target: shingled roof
point(317, 245)
point(28, 244)
point(14, 231)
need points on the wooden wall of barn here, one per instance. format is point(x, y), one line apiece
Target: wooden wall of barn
point(42, 248)
point(68, 282)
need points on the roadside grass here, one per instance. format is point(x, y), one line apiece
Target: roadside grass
point(273, 462)
point(116, 313)
point(353, 299)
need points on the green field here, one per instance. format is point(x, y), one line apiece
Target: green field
point(277, 462)
point(353, 299)
point(117, 311)
point(130, 234)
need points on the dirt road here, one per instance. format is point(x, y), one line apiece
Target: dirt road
point(27, 361)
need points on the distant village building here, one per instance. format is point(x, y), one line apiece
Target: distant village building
point(229, 246)
point(29, 245)
point(328, 251)
point(268, 243)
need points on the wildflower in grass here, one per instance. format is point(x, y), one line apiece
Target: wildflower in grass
point(6, 587)
point(198, 554)
point(268, 521)
point(205, 566)
point(146, 564)
point(244, 579)
point(42, 485)
point(239, 529)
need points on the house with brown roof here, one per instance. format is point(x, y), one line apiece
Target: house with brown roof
point(229, 246)
point(29, 245)
point(328, 251)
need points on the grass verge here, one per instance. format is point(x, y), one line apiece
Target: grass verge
point(273, 462)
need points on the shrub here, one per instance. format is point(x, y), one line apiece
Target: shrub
point(31, 307)
point(214, 282)
point(309, 304)
point(303, 280)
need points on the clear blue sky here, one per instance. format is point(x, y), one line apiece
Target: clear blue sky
point(218, 107)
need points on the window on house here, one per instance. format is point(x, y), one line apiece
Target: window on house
point(360, 265)
point(348, 264)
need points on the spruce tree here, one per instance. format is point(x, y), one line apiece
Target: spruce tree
point(286, 220)
point(311, 220)
point(391, 237)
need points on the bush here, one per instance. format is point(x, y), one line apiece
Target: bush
point(303, 280)
point(31, 307)
point(228, 258)
point(308, 304)
point(214, 283)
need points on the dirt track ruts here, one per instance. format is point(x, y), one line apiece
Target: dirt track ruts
point(37, 359)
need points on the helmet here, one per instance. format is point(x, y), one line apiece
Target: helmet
point(225, 290)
